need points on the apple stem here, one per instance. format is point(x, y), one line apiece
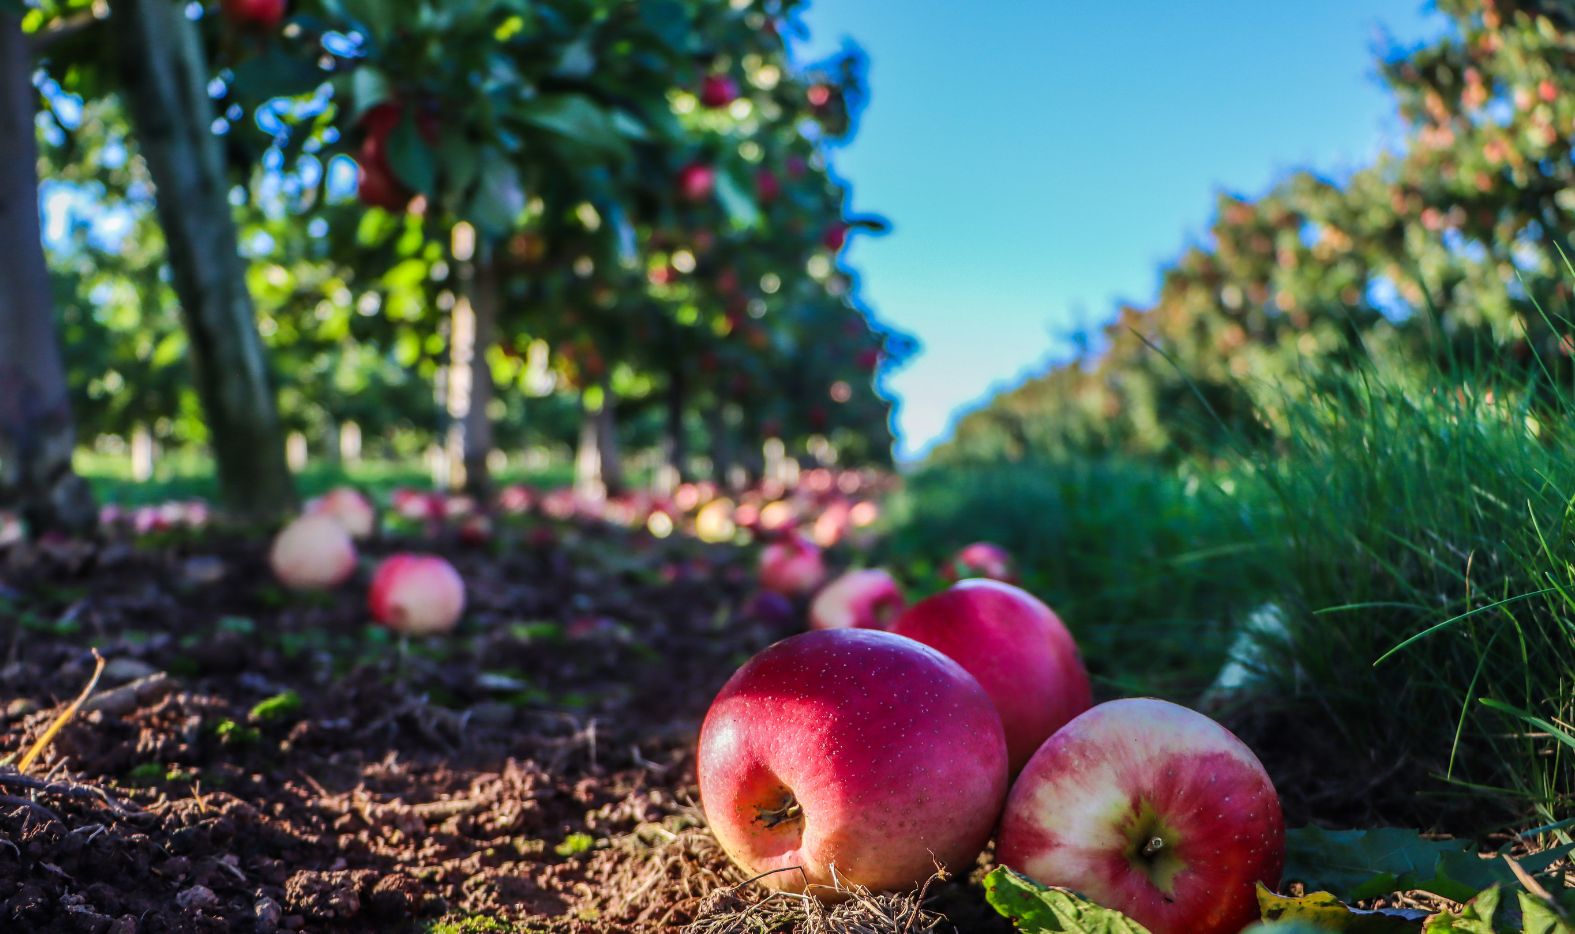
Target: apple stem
point(1153, 846)
point(787, 810)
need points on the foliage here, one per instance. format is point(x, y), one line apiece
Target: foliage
point(1038, 909)
point(1362, 864)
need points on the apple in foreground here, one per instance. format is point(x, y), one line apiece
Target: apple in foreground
point(417, 595)
point(349, 508)
point(867, 599)
point(851, 756)
point(312, 553)
point(1152, 809)
point(791, 566)
point(1016, 647)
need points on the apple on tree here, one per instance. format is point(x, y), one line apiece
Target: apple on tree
point(866, 599)
point(1152, 809)
point(696, 181)
point(718, 91)
point(254, 14)
point(1017, 648)
point(851, 756)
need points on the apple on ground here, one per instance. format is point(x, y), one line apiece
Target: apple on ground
point(981, 559)
point(1152, 809)
point(1017, 648)
point(312, 553)
point(349, 508)
point(865, 599)
point(417, 595)
point(851, 756)
point(791, 566)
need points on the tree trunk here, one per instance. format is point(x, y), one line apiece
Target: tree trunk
point(722, 453)
point(675, 451)
point(474, 328)
point(588, 459)
point(36, 432)
point(607, 443)
point(164, 80)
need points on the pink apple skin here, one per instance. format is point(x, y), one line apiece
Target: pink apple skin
point(1136, 773)
point(791, 567)
point(349, 508)
point(982, 559)
point(853, 749)
point(867, 599)
point(1016, 647)
point(417, 595)
point(312, 553)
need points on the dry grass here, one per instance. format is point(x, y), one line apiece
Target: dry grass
point(857, 910)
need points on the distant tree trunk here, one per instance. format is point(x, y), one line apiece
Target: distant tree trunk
point(674, 445)
point(144, 453)
point(474, 329)
point(164, 80)
point(350, 443)
point(722, 453)
point(588, 459)
point(607, 439)
point(36, 432)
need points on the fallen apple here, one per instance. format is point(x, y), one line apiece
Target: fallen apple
point(349, 508)
point(1152, 809)
point(312, 553)
point(981, 559)
point(417, 595)
point(1016, 647)
point(865, 599)
point(791, 566)
point(851, 756)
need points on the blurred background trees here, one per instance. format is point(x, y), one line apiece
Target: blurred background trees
point(453, 230)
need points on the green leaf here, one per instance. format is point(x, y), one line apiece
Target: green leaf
point(1035, 908)
point(375, 18)
point(275, 73)
point(460, 161)
point(1323, 912)
point(668, 21)
point(1359, 864)
point(736, 201)
point(368, 88)
point(412, 159)
point(499, 197)
point(575, 117)
point(1475, 918)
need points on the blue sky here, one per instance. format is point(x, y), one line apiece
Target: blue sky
point(1041, 159)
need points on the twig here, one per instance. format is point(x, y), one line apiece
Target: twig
point(65, 717)
point(30, 804)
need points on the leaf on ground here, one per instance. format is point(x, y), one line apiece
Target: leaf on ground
point(1360, 864)
point(1039, 909)
point(1324, 912)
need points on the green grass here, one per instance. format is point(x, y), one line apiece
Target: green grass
point(188, 473)
point(1426, 571)
point(1143, 564)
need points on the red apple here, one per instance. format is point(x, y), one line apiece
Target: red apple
point(258, 14)
point(981, 559)
point(696, 181)
point(767, 187)
point(1152, 809)
point(1016, 647)
point(417, 595)
point(718, 91)
point(835, 237)
point(791, 566)
point(851, 756)
point(349, 508)
point(312, 553)
point(867, 599)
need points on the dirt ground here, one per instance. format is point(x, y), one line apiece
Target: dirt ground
point(260, 760)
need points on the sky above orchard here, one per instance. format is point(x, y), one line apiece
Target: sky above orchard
point(1041, 159)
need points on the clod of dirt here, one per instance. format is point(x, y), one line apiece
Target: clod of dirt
point(325, 896)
